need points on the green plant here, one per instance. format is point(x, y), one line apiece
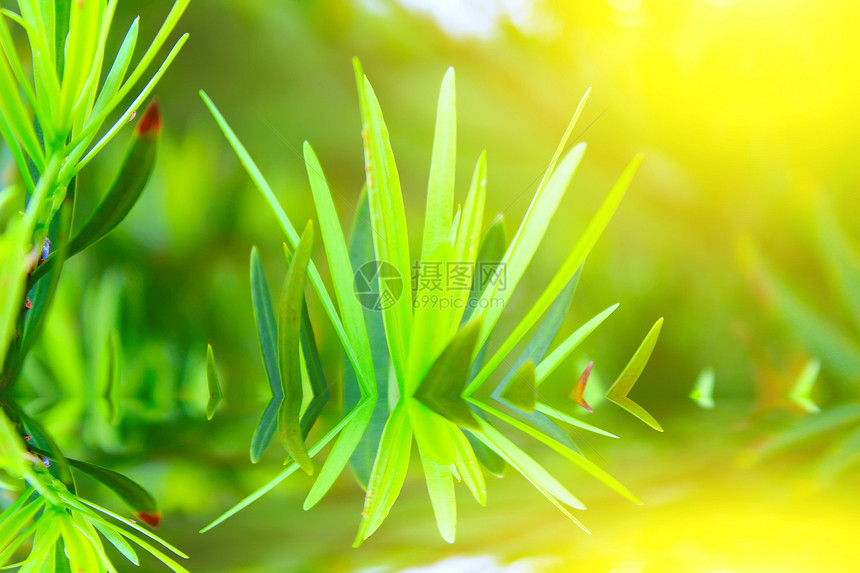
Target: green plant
point(54, 122)
point(416, 368)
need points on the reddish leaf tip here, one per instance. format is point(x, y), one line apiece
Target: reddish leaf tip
point(151, 519)
point(151, 120)
point(578, 392)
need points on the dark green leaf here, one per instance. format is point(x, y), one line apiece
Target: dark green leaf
point(40, 439)
point(268, 334)
point(520, 391)
point(319, 386)
point(289, 348)
point(442, 388)
point(131, 492)
point(137, 167)
point(491, 251)
point(361, 252)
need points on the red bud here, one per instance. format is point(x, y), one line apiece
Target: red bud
point(151, 519)
point(151, 120)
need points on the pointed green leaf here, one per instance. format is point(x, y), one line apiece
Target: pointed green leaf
point(530, 234)
point(388, 217)
point(490, 254)
point(290, 231)
point(214, 383)
point(801, 393)
point(82, 555)
point(17, 119)
point(389, 472)
point(547, 331)
point(316, 376)
point(547, 196)
point(520, 391)
point(548, 365)
point(568, 419)
point(119, 68)
point(267, 332)
point(443, 163)
point(565, 451)
point(42, 440)
point(442, 387)
point(342, 271)
point(532, 471)
point(703, 390)
point(624, 383)
point(574, 260)
point(285, 473)
point(440, 486)
point(80, 50)
point(118, 542)
point(340, 455)
point(289, 348)
point(137, 167)
point(131, 492)
point(361, 252)
point(468, 467)
point(14, 522)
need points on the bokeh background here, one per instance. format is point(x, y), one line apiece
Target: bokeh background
point(747, 113)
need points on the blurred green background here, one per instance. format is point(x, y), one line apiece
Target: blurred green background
point(747, 113)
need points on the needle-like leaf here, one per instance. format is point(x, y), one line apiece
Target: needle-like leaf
point(289, 349)
point(213, 382)
point(624, 383)
point(267, 331)
point(131, 492)
point(443, 163)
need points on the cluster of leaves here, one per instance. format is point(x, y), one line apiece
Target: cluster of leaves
point(421, 372)
point(829, 339)
point(66, 530)
point(54, 112)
